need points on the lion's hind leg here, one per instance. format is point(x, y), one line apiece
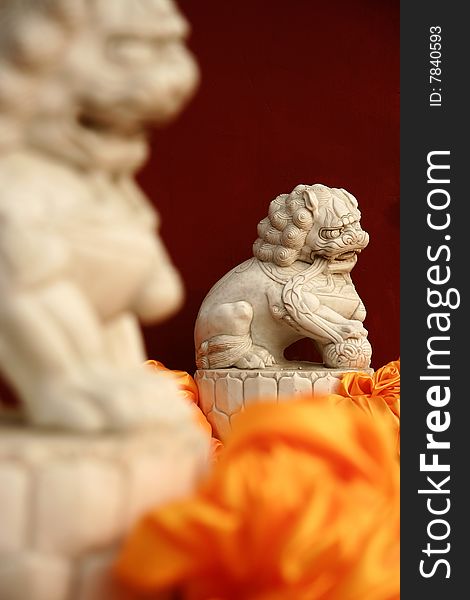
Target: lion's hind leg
point(222, 351)
point(256, 358)
point(225, 331)
point(228, 342)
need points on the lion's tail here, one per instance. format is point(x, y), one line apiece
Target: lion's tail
point(222, 351)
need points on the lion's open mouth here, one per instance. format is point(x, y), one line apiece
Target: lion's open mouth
point(346, 256)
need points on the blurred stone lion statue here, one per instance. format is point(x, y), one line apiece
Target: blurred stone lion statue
point(298, 285)
point(80, 261)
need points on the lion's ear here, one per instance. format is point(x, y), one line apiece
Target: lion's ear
point(311, 200)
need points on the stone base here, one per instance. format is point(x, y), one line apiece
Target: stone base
point(225, 392)
point(66, 501)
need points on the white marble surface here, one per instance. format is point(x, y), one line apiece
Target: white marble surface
point(81, 264)
point(102, 438)
point(66, 501)
point(297, 285)
point(224, 393)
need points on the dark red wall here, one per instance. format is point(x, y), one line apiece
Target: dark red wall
point(291, 92)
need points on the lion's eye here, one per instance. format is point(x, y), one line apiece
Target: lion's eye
point(330, 234)
point(130, 49)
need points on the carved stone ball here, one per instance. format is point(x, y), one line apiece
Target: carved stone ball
point(352, 353)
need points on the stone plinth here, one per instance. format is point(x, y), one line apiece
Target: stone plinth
point(66, 500)
point(225, 392)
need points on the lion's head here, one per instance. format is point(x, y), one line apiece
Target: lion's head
point(311, 220)
point(81, 78)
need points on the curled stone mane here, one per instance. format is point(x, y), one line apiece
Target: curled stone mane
point(328, 198)
point(282, 233)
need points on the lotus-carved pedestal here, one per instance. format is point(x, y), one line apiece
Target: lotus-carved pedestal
point(297, 285)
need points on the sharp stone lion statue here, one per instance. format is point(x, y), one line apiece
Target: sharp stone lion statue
point(298, 285)
point(80, 264)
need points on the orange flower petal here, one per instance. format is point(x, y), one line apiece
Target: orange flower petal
point(303, 504)
point(188, 390)
point(356, 384)
point(185, 382)
point(377, 394)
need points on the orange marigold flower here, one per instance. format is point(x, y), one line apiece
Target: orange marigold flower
point(186, 383)
point(387, 385)
point(303, 504)
point(188, 390)
point(377, 394)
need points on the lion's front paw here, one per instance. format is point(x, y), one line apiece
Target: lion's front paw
point(353, 353)
point(353, 329)
point(108, 400)
point(257, 358)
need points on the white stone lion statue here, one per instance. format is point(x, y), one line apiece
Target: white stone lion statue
point(298, 285)
point(80, 261)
